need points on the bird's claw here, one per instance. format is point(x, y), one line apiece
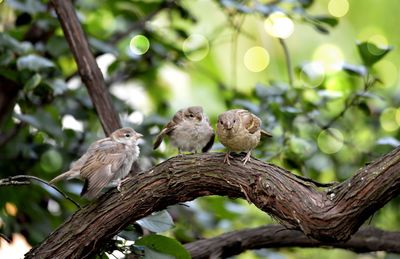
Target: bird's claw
point(246, 158)
point(226, 158)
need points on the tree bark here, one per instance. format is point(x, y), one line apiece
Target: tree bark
point(87, 66)
point(367, 239)
point(327, 214)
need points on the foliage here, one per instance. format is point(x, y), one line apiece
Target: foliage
point(338, 112)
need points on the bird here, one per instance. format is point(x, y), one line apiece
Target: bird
point(239, 130)
point(106, 162)
point(189, 130)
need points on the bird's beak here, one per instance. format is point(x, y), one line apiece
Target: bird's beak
point(138, 135)
point(228, 125)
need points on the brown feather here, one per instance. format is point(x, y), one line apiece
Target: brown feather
point(250, 121)
point(266, 133)
point(168, 128)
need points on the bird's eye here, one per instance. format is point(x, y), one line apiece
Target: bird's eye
point(220, 122)
point(234, 121)
point(191, 115)
point(127, 135)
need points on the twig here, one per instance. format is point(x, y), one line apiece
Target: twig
point(26, 179)
point(288, 60)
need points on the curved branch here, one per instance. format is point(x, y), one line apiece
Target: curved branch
point(326, 214)
point(367, 239)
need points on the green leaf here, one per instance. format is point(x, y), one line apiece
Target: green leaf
point(354, 69)
point(51, 161)
point(29, 6)
point(164, 245)
point(9, 43)
point(11, 74)
point(151, 254)
point(33, 82)
point(370, 53)
point(329, 20)
point(6, 57)
point(34, 63)
point(306, 3)
point(321, 29)
point(43, 120)
point(157, 222)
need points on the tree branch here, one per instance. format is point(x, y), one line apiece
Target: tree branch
point(326, 214)
point(87, 66)
point(367, 239)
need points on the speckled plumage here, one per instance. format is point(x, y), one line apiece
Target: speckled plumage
point(239, 130)
point(189, 130)
point(106, 162)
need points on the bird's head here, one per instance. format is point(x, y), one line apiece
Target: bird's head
point(126, 136)
point(228, 121)
point(194, 113)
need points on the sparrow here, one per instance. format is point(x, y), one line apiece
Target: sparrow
point(106, 162)
point(239, 130)
point(189, 130)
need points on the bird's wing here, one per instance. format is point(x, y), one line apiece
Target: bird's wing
point(178, 117)
point(100, 167)
point(209, 144)
point(250, 122)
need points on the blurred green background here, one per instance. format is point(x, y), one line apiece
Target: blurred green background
point(338, 110)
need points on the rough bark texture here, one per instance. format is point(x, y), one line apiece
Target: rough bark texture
point(233, 243)
point(88, 69)
point(326, 214)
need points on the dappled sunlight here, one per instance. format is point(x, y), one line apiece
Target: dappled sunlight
point(279, 25)
point(139, 44)
point(256, 59)
point(196, 47)
point(330, 56)
point(338, 8)
point(312, 74)
point(330, 141)
point(389, 119)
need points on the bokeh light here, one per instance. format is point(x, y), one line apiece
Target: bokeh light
point(11, 209)
point(398, 116)
point(196, 47)
point(389, 119)
point(330, 141)
point(330, 56)
point(312, 74)
point(279, 25)
point(256, 59)
point(388, 72)
point(338, 8)
point(139, 44)
point(51, 161)
point(16, 249)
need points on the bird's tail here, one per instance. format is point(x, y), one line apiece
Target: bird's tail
point(266, 133)
point(67, 175)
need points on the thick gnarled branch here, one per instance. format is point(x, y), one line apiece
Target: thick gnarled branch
point(367, 239)
point(326, 214)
